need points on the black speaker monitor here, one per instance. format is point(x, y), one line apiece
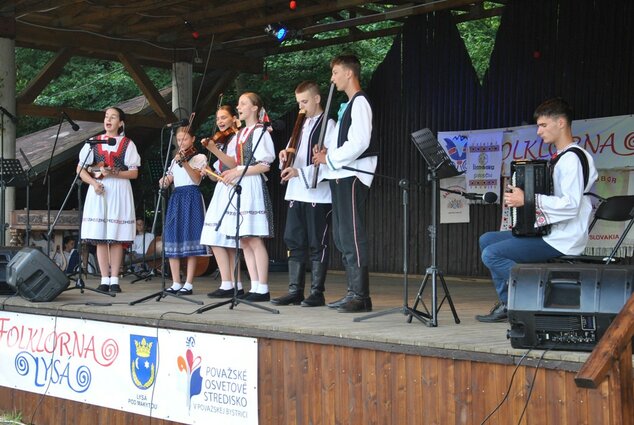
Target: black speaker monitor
point(565, 306)
point(35, 277)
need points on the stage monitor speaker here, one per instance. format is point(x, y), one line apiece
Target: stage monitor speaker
point(6, 254)
point(35, 277)
point(565, 306)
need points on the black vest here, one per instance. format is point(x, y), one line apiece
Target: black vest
point(313, 139)
point(346, 122)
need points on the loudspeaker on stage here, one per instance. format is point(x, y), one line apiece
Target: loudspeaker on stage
point(565, 306)
point(35, 277)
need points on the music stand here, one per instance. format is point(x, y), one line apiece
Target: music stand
point(12, 175)
point(439, 166)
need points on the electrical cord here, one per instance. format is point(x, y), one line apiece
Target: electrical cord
point(530, 389)
point(508, 390)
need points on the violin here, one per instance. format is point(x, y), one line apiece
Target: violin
point(186, 155)
point(96, 172)
point(221, 137)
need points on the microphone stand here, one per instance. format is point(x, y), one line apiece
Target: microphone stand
point(79, 282)
point(405, 309)
point(47, 182)
point(234, 301)
point(27, 178)
point(159, 295)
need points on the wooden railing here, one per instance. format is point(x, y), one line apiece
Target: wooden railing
point(612, 359)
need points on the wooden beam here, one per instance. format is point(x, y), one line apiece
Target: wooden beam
point(133, 120)
point(319, 43)
point(233, 8)
point(396, 14)
point(7, 27)
point(105, 13)
point(50, 71)
point(302, 12)
point(92, 45)
point(207, 104)
point(154, 98)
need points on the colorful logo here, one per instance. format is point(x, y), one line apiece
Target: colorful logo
point(456, 148)
point(191, 366)
point(143, 355)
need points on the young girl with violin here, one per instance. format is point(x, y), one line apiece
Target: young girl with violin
point(222, 247)
point(253, 146)
point(108, 219)
point(185, 211)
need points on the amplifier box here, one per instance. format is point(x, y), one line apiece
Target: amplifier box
point(565, 306)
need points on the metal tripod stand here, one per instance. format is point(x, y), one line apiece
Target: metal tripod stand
point(438, 166)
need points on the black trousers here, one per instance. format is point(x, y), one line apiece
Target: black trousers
point(349, 196)
point(307, 231)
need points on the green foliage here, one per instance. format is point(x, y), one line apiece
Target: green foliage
point(84, 83)
point(479, 39)
point(283, 72)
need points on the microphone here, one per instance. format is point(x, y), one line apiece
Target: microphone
point(488, 197)
point(181, 123)
point(71, 122)
point(110, 141)
point(12, 117)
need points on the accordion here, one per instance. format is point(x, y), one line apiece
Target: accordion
point(532, 177)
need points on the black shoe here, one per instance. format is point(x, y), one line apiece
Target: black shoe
point(103, 288)
point(497, 314)
point(288, 299)
point(256, 298)
point(184, 291)
point(340, 301)
point(224, 293)
point(171, 290)
point(314, 300)
point(356, 305)
point(115, 288)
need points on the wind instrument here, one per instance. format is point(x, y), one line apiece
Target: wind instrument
point(322, 134)
point(291, 150)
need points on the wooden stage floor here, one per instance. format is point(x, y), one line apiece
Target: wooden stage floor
point(468, 340)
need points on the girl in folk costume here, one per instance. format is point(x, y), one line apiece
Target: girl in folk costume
point(108, 219)
point(252, 146)
point(185, 211)
point(222, 246)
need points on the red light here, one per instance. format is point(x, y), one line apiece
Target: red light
point(537, 54)
point(292, 5)
point(195, 35)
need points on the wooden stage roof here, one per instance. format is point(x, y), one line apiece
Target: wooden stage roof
point(223, 38)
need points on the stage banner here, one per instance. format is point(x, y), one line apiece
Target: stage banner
point(605, 234)
point(484, 162)
point(454, 208)
point(609, 140)
point(186, 377)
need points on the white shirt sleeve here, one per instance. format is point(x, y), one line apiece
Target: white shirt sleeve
point(132, 159)
point(358, 137)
